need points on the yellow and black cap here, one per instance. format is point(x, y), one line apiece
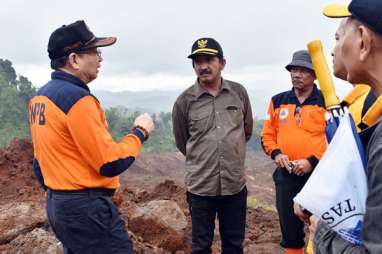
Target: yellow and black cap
point(75, 37)
point(368, 12)
point(208, 46)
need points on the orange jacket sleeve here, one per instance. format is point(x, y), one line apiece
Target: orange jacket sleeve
point(269, 134)
point(88, 128)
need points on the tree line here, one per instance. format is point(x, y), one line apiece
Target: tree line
point(15, 93)
point(120, 121)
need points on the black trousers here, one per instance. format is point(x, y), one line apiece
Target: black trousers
point(292, 228)
point(87, 222)
point(231, 212)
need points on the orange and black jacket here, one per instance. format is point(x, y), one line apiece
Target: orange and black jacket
point(72, 147)
point(295, 129)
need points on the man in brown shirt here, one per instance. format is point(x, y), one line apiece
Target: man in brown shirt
point(212, 121)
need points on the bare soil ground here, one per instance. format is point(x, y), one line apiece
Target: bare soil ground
point(154, 176)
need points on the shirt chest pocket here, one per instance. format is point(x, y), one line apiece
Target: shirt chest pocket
point(313, 121)
point(200, 120)
point(233, 114)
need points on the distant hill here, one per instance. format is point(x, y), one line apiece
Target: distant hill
point(152, 101)
point(162, 101)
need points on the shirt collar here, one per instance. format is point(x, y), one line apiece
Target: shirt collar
point(70, 78)
point(199, 91)
point(313, 96)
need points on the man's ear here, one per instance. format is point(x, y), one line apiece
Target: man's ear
point(73, 61)
point(366, 42)
point(223, 62)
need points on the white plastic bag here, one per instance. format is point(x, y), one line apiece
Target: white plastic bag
point(337, 189)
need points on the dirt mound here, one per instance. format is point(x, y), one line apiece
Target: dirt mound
point(17, 182)
point(262, 231)
point(168, 190)
point(147, 181)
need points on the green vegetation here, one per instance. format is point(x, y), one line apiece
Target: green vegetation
point(120, 121)
point(15, 93)
point(253, 203)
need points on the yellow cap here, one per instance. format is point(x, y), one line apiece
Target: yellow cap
point(336, 11)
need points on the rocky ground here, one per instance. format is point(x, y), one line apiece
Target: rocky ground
point(151, 200)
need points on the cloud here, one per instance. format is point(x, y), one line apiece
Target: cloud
point(155, 37)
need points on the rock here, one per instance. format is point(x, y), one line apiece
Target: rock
point(20, 217)
point(38, 241)
point(186, 212)
point(141, 247)
point(159, 222)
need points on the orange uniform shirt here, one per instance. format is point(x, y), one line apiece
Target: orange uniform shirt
point(294, 129)
point(72, 147)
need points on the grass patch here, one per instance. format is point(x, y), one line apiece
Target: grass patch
point(253, 203)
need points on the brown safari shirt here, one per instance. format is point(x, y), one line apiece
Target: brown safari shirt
point(212, 133)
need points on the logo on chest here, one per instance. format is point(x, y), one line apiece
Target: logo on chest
point(283, 115)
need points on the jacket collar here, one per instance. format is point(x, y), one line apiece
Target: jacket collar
point(69, 78)
point(312, 97)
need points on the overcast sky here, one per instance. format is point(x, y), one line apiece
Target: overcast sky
point(155, 37)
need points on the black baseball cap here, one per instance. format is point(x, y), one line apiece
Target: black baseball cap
point(368, 12)
point(75, 37)
point(207, 46)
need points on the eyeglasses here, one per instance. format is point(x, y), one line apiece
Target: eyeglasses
point(90, 51)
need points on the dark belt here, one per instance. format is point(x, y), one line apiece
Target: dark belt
point(89, 192)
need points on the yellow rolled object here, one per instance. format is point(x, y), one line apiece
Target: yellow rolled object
point(323, 74)
point(309, 247)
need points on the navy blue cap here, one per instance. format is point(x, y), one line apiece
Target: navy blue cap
point(73, 38)
point(368, 12)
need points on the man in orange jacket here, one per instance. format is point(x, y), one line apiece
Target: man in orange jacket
point(75, 157)
point(294, 136)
